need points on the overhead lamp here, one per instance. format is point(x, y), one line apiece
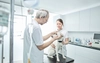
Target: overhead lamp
point(30, 3)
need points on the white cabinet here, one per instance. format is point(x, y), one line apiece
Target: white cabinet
point(82, 54)
point(82, 59)
point(70, 51)
point(72, 21)
point(17, 10)
point(84, 20)
point(89, 55)
point(95, 19)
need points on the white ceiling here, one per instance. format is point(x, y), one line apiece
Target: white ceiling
point(62, 6)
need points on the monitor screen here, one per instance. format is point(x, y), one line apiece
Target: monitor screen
point(97, 36)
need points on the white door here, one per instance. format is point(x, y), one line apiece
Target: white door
point(19, 26)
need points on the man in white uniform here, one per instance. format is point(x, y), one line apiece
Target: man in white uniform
point(36, 55)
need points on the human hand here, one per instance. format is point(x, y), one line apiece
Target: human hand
point(54, 32)
point(56, 37)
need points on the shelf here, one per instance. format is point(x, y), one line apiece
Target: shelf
point(91, 47)
point(84, 31)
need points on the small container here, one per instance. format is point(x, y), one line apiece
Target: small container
point(78, 41)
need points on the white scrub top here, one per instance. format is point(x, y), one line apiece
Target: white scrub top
point(65, 35)
point(36, 55)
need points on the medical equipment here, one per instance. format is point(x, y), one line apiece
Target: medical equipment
point(4, 16)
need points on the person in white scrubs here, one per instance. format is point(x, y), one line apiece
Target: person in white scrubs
point(36, 54)
point(60, 28)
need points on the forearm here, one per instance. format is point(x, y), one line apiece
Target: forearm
point(46, 44)
point(47, 36)
point(66, 41)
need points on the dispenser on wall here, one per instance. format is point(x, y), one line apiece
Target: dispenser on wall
point(96, 38)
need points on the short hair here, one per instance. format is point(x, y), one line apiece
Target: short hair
point(42, 13)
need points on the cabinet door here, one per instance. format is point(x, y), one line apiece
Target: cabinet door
point(82, 54)
point(72, 21)
point(95, 19)
point(70, 51)
point(90, 55)
point(85, 20)
point(82, 59)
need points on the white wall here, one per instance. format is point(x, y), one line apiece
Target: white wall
point(83, 24)
point(81, 35)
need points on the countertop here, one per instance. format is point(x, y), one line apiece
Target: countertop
point(91, 47)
